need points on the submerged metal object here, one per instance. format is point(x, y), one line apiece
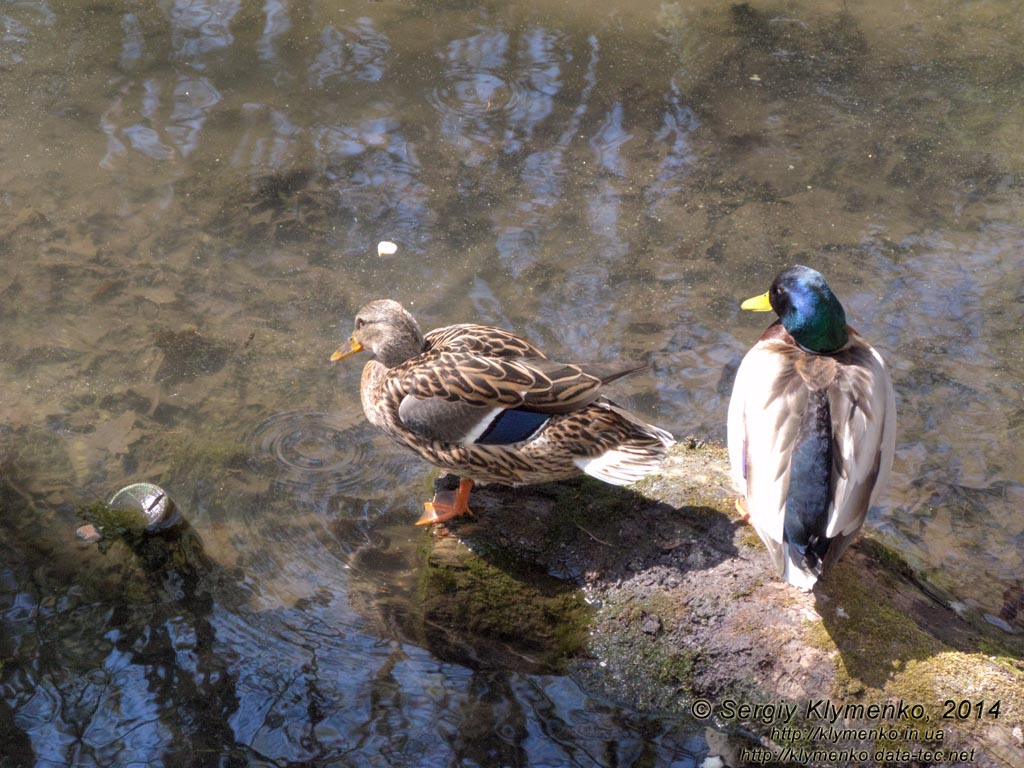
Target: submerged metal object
point(136, 508)
point(156, 509)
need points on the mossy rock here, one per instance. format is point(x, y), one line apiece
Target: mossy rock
point(507, 610)
point(688, 609)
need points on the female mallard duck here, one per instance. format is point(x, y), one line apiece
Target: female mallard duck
point(812, 427)
point(489, 406)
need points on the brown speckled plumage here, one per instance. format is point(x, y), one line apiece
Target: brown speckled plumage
point(433, 394)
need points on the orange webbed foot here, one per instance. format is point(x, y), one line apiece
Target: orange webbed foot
point(447, 504)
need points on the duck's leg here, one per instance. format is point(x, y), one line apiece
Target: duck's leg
point(741, 507)
point(447, 504)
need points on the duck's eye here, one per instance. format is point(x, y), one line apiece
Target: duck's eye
point(360, 323)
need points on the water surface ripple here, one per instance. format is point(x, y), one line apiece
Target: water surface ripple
point(191, 194)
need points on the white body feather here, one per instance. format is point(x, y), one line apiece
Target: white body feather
point(768, 399)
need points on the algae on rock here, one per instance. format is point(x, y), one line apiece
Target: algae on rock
point(688, 608)
point(506, 609)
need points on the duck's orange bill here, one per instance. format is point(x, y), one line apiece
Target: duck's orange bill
point(343, 351)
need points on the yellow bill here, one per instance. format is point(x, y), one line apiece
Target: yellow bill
point(757, 303)
point(344, 351)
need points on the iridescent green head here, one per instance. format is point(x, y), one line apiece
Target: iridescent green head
point(807, 308)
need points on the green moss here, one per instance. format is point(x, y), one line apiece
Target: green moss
point(873, 639)
point(638, 640)
point(675, 668)
point(749, 539)
point(1001, 653)
point(113, 523)
point(882, 655)
point(465, 594)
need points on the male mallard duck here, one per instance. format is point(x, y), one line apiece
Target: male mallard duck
point(812, 427)
point(489, 406)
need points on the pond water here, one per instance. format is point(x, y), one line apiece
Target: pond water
point(191, 194)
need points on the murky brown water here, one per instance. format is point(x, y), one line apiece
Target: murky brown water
point(191, 194)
